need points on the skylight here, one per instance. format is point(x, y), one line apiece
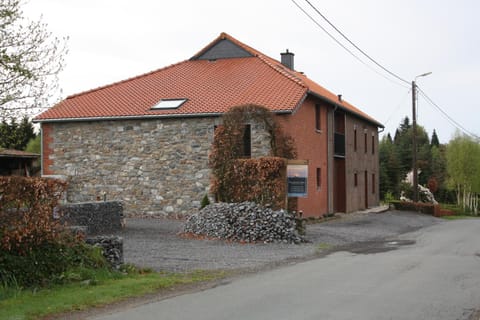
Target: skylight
point(169, 104)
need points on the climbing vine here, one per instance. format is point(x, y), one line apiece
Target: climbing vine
point(261, 180)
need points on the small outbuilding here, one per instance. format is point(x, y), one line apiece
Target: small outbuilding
point(19, 163)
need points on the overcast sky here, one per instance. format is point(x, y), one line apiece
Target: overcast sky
point(111, 40)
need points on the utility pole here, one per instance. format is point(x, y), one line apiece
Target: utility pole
point(414, 141)
point(414, 136)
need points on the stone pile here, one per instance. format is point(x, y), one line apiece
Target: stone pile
point(112, 248)
point(244, 222)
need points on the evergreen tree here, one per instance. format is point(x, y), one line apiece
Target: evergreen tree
point(15, 135)
point(435, 142)
point(389, 167)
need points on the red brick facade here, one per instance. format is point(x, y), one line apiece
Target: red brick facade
point(311, 145)
point(47, 148)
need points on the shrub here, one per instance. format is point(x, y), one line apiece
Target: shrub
point(26, 213)
point(48, 262)
point(35, 249)
point(427, 208)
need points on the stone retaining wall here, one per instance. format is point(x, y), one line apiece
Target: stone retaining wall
point(95, 217)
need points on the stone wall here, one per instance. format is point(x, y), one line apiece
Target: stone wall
point(112, 248)
point(155, 167)
point(96, 217)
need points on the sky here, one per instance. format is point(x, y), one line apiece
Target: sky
point(112, 40)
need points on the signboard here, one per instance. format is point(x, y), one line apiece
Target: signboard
point(297, 179)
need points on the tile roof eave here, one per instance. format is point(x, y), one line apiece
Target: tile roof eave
point(373, 121)
point(141, 117)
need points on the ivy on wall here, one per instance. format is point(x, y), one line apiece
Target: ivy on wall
point(261, 180)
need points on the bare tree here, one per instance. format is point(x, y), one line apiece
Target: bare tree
point(30, 60)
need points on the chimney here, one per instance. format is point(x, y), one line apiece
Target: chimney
point(339, 98)
point(287, 59)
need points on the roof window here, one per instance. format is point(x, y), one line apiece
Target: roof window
point(169, 104)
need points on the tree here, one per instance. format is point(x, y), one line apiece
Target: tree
point(435, 142)
point(30, 60)
point(34, 145)
point(404, 149)
point(389, 167)
point(15, 135)
point(463, 166)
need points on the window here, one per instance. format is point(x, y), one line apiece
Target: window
point(365, 138)
point(319, 178)
point(373, 182)
point(169, 104)
point(355, 139)
point(318, 124)
point(247, 143)
point(373, 143)
point(355, 179)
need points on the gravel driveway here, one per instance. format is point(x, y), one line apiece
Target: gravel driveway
point(155, 243)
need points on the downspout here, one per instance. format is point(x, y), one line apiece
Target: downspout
point(41, 150)
point(331, 134)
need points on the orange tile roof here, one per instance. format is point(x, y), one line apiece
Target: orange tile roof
point(210, 87)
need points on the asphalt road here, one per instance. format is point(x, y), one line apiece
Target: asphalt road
point(432, 273)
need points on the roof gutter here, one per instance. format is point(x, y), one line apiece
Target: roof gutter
point(337, 105)
point(142, 117)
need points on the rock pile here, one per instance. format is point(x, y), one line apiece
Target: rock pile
point(244, 222)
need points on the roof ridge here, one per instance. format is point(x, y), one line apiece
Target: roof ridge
point(226, 36)
point(146, 74)
point(277, 66)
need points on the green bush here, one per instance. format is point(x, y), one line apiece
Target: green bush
point(48, 263)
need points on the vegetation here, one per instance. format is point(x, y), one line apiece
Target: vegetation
point(450, 171)
point(46, 270)
point(14, 135)
point(463, 167)
point(259, 180)
point(396, 161)
point(91, 288)
point(30, 60)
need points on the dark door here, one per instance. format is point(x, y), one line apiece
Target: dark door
point(366, 189)
point(339, 188)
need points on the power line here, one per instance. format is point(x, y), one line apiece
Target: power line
point(398, 106)
point(356, 47)
point(449, 118)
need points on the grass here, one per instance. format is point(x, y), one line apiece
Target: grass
point(323, 246)
point(106, 289)
point(459, 213)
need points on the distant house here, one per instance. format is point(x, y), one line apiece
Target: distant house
point(18, 163)
point(146, 140)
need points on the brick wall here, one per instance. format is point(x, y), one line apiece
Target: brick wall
point(312, 146)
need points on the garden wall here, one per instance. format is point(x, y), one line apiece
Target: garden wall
point(98, 217)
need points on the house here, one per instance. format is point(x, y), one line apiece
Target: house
point(146, 140)
point(18, 163)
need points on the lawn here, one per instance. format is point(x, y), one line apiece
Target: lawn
point(103, 290)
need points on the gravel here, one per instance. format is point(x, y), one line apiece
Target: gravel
point(155, 243)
